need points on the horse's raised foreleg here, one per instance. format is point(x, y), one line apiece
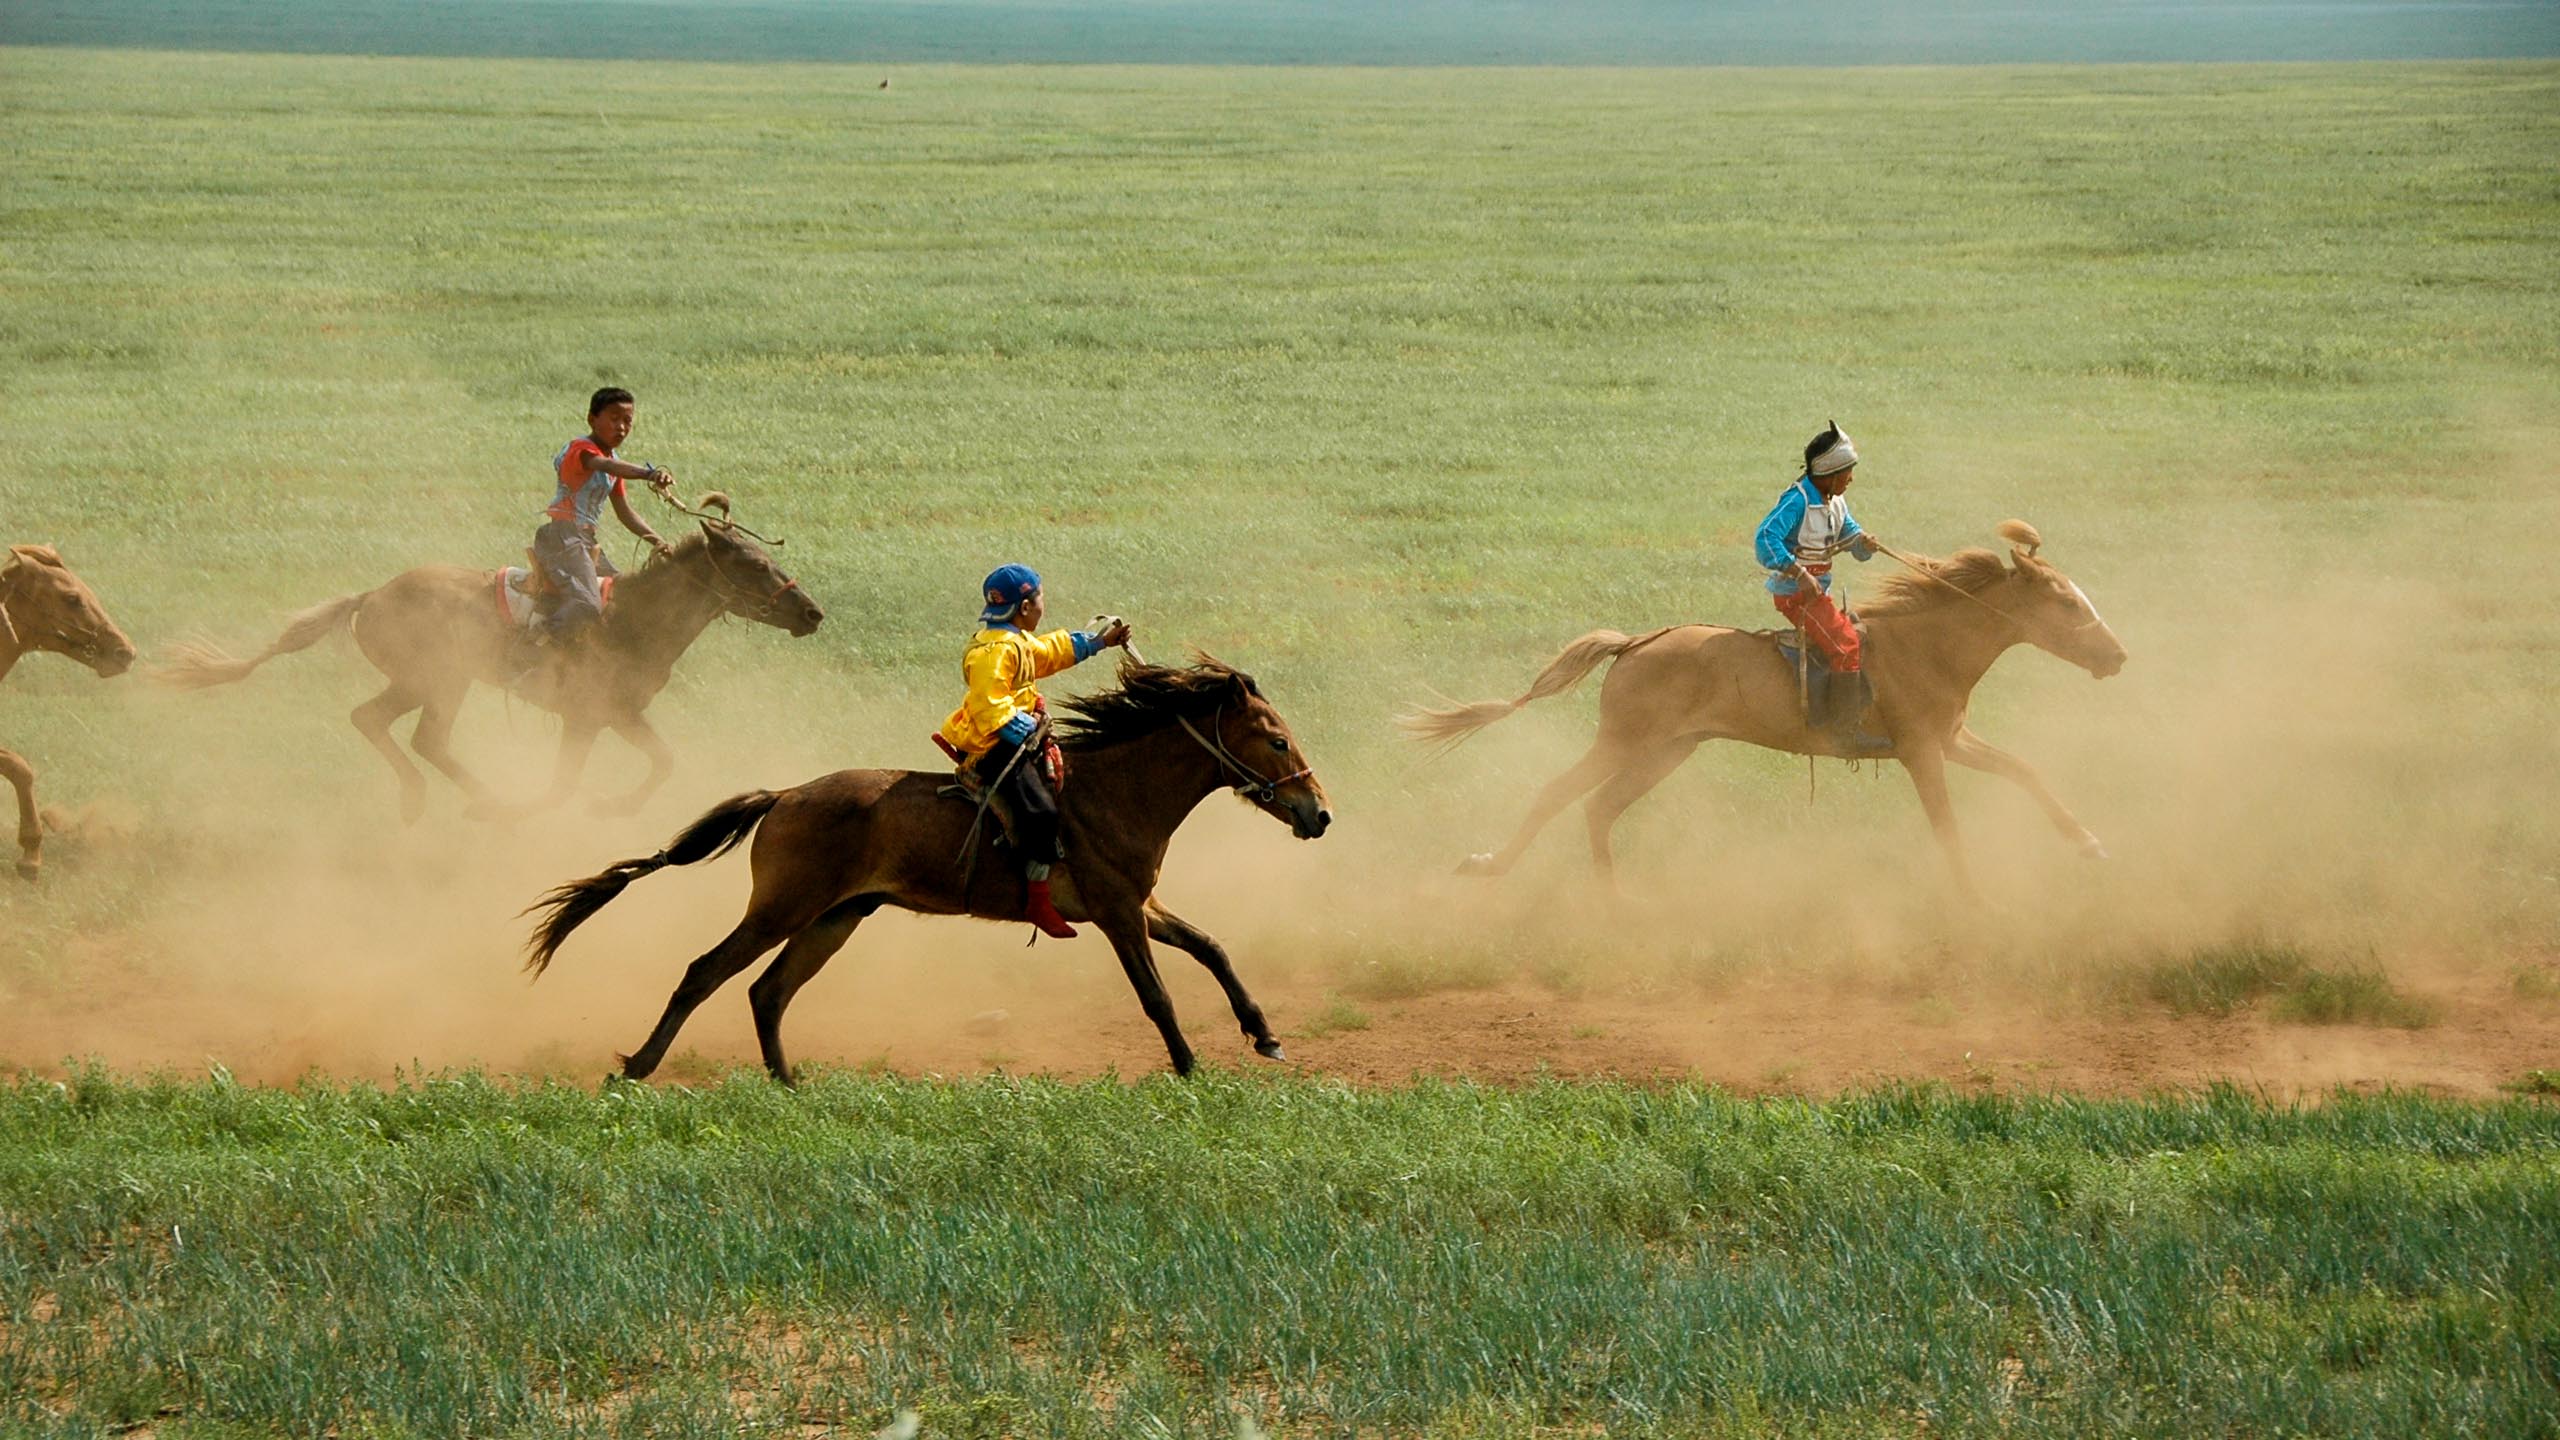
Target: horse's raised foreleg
point(755, 935)
point(1603, 762)
point(1928, 770)
point(806, 955)
point(1127, 931)
point(1172, 929)
point(433, 740)
point(22, 778)
point(1644, 770)
point(1974, 752)
point(373, 720)
point(644, 737)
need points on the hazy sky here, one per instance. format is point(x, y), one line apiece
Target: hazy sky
point(1396, 32)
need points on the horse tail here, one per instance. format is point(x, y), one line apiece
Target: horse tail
point(567, 907)
point(1448, 727)
point(192, 665)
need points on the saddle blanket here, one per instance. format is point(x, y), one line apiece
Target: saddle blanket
point(1790, 642)
point(519, 591)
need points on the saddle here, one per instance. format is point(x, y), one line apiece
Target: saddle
point(524, 594)
point(971, 788)
point(1834, 704)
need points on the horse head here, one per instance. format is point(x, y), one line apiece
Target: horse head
point(1262, 756)
point(2052, 609)
point(1219, 709)
point(745, 576)
point(50, 608)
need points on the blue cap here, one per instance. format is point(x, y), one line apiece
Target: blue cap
point(1006, 588)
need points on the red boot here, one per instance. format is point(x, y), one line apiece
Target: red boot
point(1041, 911)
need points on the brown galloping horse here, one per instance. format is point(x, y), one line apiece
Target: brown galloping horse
point(43, 606)
point(831, 852)
point(1930, 637)
point(434, 630)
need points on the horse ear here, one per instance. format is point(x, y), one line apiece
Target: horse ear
point(2023, 539)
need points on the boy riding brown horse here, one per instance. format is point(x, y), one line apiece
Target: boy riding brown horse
point(1000, 733)
point(829, 853)
point(435, 631)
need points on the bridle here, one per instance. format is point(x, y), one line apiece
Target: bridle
point(734, 591)
point(730, 591)
point(1915, 567)
point(1249, 782)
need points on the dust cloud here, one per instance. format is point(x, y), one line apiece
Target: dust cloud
point(2326, 750)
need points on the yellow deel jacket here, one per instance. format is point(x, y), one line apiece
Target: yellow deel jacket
point(1002, 668)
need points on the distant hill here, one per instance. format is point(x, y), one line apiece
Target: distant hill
point(1320, 32)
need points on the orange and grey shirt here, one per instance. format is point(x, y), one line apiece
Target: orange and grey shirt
point(582, 493)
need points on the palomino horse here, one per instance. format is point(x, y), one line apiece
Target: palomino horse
point(830, 852)
point(434, 630)
point(43, 606)
point(1930, 637)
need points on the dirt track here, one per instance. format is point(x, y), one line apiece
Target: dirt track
point(983, 1004)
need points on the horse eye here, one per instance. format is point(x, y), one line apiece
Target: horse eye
point(1279, 744)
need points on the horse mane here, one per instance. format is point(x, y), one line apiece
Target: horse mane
point(1971, 571)
point(1149, 698)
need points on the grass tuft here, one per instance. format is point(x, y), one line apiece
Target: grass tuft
point(2361, 996)
point(2219, 979)
point(1338, 1015)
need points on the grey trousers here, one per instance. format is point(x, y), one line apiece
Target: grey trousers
point(569, 554)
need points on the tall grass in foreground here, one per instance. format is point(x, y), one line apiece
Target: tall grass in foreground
point(451, 1257)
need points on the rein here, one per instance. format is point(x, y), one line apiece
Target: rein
point(1916, 568)
point(1261, 788)
point(729, 591)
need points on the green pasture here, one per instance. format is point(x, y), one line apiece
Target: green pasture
point(1376, 382)
point(1025, 1258)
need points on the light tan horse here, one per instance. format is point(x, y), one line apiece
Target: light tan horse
point(1930, 637)
point(43, 606)
point(434, 630)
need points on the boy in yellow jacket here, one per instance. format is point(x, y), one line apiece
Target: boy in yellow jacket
point(1002, 726)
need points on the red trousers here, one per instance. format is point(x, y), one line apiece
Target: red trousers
point(1813, 612)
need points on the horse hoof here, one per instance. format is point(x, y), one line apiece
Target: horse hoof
point(413, 808)
point(2090, 849)
point(29, 870)
point(1269, 1050)
point(1480, 864)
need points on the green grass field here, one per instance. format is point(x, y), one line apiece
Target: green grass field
point(1375, 382)
point(1026, 1258)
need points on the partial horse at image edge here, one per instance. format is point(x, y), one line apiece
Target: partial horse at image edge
point(45, 607)
point(829, 853)
point(1931, 636)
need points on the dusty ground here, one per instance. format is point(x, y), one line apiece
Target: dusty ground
point(947, 999)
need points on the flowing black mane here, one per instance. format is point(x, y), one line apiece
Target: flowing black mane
point(1151, 697)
